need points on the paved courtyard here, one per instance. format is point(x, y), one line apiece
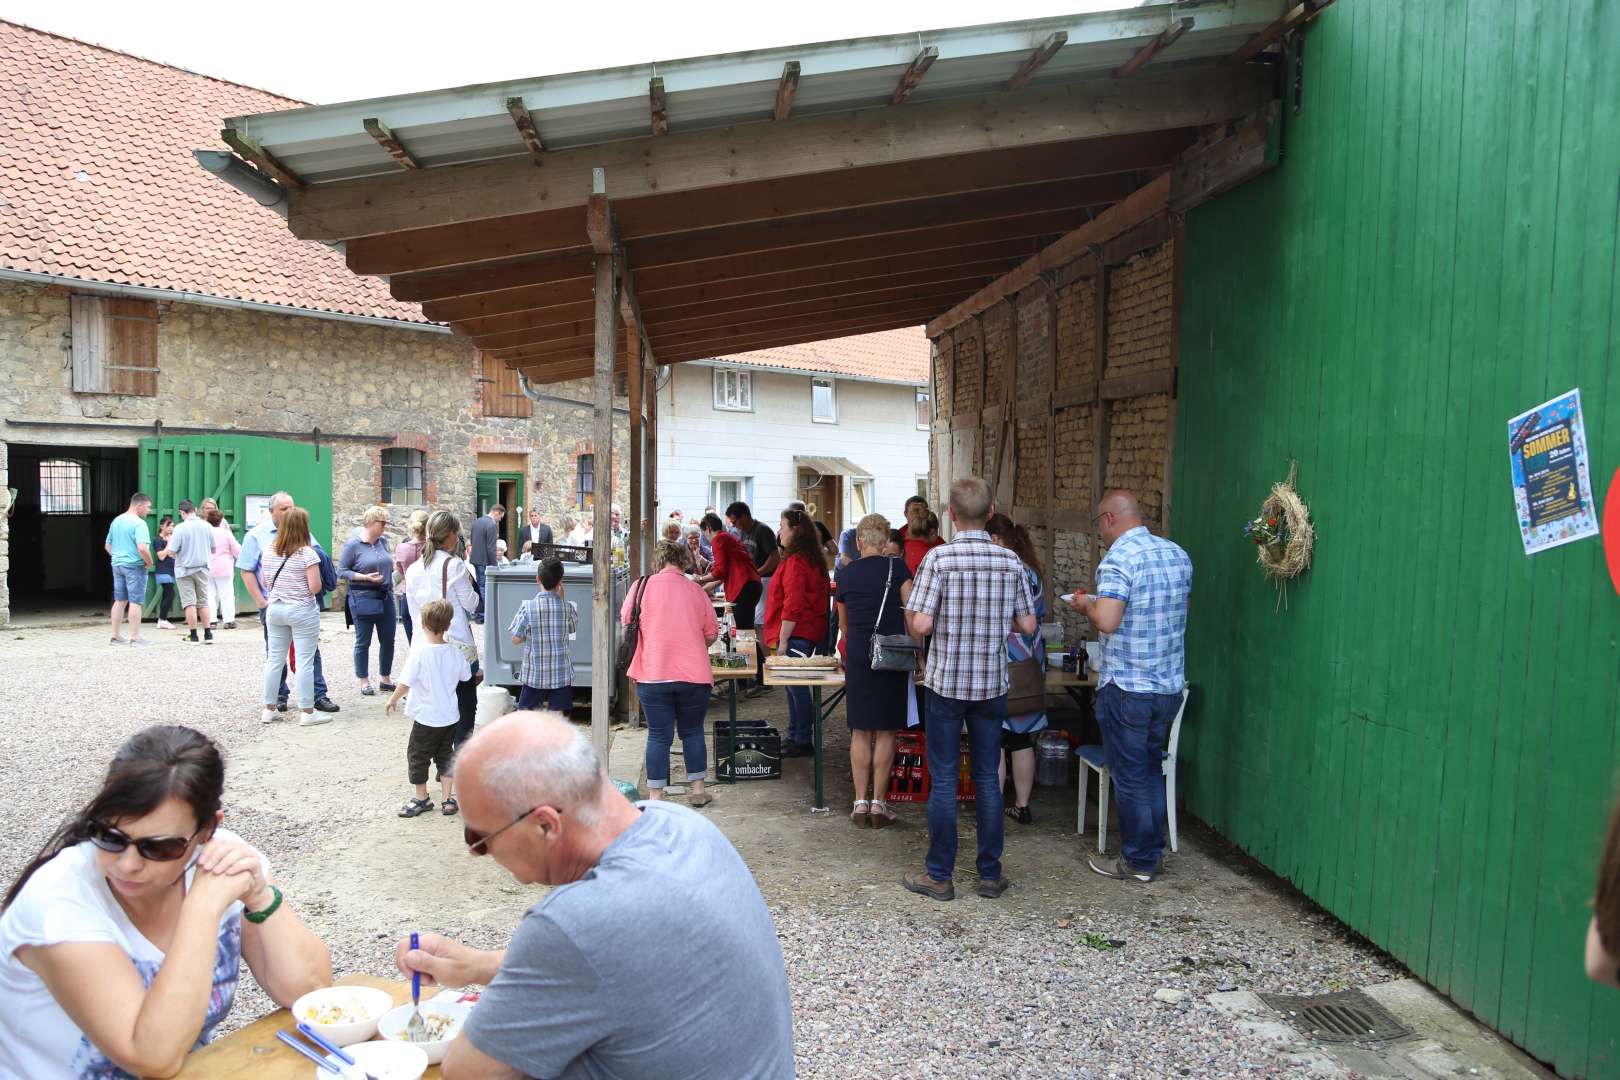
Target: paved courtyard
point(1061, 977)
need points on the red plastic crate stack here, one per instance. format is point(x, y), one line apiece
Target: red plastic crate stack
point(908, 780)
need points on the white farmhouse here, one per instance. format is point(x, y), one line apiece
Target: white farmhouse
point(840, 424)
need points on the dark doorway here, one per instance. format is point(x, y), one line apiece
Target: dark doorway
point(66, 498)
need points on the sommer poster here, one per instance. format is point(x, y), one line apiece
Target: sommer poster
point(1552, 483)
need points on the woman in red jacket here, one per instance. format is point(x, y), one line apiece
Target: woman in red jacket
point(733, 568)
point(796, 616)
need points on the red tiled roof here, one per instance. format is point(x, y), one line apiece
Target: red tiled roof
point(97, 181)
point(889, 355)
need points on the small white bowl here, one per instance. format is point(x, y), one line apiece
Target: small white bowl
point(392, 1026)
point(366, 1002)
point(385, 1061)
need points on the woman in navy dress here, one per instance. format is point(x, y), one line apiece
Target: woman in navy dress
point(873, 585)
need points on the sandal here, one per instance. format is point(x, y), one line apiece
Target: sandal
point(387, 687)
point(413, 807)
point(699, 798)
point(1020, 814)
point(450, 807)
point(881, 815)
point(859, 815)
point(368, 691)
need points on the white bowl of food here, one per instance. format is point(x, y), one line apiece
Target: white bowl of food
point(443, 1019)
point(385, 1061)
point(343, 1014)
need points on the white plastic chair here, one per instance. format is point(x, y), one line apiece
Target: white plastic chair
point(1092, 758)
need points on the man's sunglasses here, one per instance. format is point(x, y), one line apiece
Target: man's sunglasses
point(478, 844)
point(152, 848)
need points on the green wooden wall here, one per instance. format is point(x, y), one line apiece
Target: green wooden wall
point(1424, 740)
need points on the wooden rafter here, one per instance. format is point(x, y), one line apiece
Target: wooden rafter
point(263, 159)
point(913, 75)
point(1037, 59)
point(524, 122)
point(1153, 48)
point(389, 142)
point(599, 216)
point(1296, 17)
point(724, 158)
point(786, 87)
point(657, 106)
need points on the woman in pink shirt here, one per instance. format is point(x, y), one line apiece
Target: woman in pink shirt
point(222, 571)
point(671, 667)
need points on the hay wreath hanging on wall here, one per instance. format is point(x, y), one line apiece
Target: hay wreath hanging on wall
point(1282, 534)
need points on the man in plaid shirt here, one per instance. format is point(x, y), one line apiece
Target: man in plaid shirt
point(1141, 605)
point(543, 626)
point(968, 594)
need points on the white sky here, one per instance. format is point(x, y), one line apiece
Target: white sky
point(323, 51)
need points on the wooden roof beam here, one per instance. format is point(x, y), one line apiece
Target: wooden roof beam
point(1146, 201)
point(599, 225)
point(583, 343)
point(786, 87)
point(389, 142)
point(724, 157)
point(258, 156)
point(1037, 59)
point(725, 346)
point(913, 75)
point(524, 122)
point(657, 106)
point(924, 306)
point(1294, 18)
point(1153, 48)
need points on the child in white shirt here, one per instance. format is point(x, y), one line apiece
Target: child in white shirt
point(432, 671)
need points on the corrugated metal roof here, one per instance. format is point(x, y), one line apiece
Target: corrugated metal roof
point(328, 143)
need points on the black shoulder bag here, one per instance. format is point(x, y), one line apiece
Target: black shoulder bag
point(632, 633)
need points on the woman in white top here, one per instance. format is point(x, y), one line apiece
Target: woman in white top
point(439, 575)
point(291, 572)
point(121, 942)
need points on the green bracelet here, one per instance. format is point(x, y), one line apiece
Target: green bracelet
point(259, 916)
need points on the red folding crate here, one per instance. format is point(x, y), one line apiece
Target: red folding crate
point(908, 779)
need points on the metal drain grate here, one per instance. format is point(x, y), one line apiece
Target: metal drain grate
point(1346, 1017)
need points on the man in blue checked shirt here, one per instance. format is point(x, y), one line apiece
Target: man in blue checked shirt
point(543, 626)
point(1141, 606)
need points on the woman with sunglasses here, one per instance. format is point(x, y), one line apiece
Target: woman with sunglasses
point(121, 942)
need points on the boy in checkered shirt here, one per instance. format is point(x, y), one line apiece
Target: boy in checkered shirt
point(544, 626)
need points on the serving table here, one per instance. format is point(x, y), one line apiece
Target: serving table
point(823, 677)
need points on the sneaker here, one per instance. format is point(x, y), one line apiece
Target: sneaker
point(325, 704)
point(118, 641)
point(268, 716)
point(191, 638)
point(992, 889)
point(229, 626)
point(1120, 870)
point(927, 886)
point(208, 637)
point(281, 706)
point(140, 641)
point(165, 624)
point(313, 719)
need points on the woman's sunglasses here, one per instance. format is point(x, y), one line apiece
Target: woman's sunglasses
point(152, 848)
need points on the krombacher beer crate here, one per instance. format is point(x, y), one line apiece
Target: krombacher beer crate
point(759, 751)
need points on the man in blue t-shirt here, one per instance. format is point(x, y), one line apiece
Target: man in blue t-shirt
point(129, 544)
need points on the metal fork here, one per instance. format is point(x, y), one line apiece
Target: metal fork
point(415, 1027)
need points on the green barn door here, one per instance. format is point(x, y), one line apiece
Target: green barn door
point(489, 492)
point(171, 471)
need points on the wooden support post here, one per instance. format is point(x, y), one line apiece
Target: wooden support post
point(1099, 407)
point(389, 142)
point(1050, 560)
point(786, 88)
point(525, 125)
point(638, 546)
point(913, 75)
point(603, 613)
point(1178, 240)
point(654, 513)
point(1037, 59)
point(657, 107)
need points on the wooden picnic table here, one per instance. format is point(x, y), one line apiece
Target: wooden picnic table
point(749, 647)
point(254, 1053)
point(794, 676)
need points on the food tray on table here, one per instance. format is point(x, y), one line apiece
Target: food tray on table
point(803, 663)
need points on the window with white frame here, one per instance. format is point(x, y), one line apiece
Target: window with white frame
point(860, 499)
point(924, 415)
point(823, 401)
point(725, 490)
point(733, 390)
point(62, 487)
point(922, 488)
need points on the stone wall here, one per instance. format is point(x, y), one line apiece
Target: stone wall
point(253, 371)
point(1139, 315)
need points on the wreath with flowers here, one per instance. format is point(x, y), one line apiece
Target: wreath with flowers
point(1282, 533)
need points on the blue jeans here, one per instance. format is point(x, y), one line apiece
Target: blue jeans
point(383, 622)
point(129, 582)
point(673, 707)
point(559, 699)
point(1135, 729)
point(466, 707)
point(942, 727)
point(801, 709)
point(320, 679)
point(405, 617)
point(478, 575)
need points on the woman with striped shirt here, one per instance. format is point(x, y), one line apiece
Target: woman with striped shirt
point(291, 571)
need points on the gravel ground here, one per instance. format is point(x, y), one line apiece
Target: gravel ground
point(1056, 979)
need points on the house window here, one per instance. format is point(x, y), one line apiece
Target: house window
point(924, 413)
point(585, 481)
point(733, 390)
point(725, 490)
point(860, 501)
point(114, 346)
point(62, 487)
point(402, 476)
point(922, 489)
point(823, 402)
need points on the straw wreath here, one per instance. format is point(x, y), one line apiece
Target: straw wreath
point(1292, 557)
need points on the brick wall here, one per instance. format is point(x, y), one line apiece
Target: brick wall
point(1034, 346)
point(1138, 436)
point(1139, 316)
point(965, 373)
point(1077, 328)
point(1032, 465)
point(998, 352)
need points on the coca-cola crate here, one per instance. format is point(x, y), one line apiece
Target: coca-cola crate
point(908, 780)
